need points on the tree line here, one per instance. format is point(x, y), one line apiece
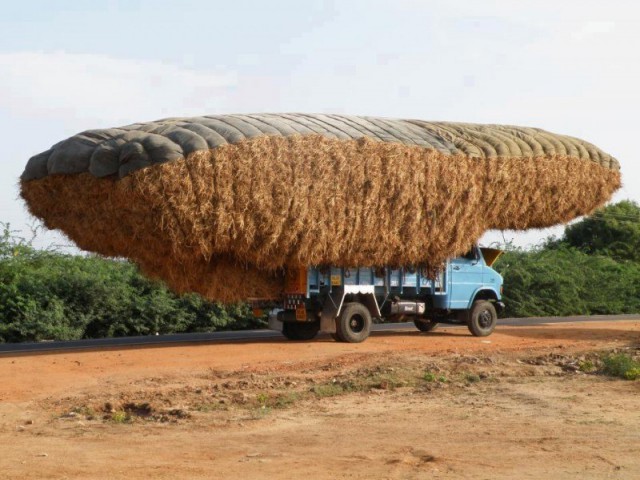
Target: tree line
point(594, 268)
point(47, 295)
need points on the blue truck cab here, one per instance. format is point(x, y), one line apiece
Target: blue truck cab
point(346, 301)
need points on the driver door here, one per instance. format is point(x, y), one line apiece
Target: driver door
point(465, 278)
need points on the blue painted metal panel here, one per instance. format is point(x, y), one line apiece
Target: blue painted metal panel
point(454, 287)
point(410, 279)
point(378, 281)
point(394, 278)
point(350, 276)
point(365, 276)
point(313, 280)
point(465, 277)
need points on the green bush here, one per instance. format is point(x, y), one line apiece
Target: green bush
point(46, 295)
point(563, 281)
point(593, 269)
point(621, 365)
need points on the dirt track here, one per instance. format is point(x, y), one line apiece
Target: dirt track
point(401, 405)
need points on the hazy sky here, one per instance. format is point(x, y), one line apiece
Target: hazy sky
point(571, 67)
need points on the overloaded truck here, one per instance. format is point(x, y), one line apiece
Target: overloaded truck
point(345, 301)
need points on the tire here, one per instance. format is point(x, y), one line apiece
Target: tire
point(354, 323)
point(300, 330)
point(425, 324)
point(482, 318)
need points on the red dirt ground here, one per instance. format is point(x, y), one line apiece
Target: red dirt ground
point(513, 405)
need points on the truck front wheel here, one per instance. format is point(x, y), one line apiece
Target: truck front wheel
point(482, 318)
point(354, 323)
point(300, 330)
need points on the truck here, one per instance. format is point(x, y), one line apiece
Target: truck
point(345, 302)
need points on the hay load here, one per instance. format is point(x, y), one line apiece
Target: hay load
point(221, 205)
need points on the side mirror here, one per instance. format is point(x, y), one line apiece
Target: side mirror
point(476, 255)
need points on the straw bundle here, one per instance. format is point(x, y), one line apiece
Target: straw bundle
point(221, 205)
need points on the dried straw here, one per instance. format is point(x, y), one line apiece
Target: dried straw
point(226, 222)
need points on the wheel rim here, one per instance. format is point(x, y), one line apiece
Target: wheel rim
point(356, 323)
point(485, 319)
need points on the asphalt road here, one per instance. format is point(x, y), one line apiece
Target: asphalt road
point(253, 335)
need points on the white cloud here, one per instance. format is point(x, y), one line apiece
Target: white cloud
point(58, 94)
point(589, 29)
point(105, 89)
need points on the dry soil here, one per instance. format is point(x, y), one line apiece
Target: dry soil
point(523, 403)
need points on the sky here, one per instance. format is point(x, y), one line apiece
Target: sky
point(571, 67)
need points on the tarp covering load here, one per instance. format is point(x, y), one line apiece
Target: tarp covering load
point(221, 205)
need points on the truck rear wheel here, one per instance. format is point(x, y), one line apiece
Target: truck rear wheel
point(300, 330)
point(425, 324)
point(482, 318)
point(354, 323)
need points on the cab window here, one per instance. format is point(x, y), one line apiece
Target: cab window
point(472, 254)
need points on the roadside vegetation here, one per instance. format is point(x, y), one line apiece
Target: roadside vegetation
point(47, 295)
point(621, 365)
point(593, 269)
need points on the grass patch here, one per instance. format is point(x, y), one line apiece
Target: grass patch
point(384, 381)
point(621, 365)
point(472, 377)
point(432, 377)
point(285, 400)
point(328, 390)
point(86, 411)
point(263, 400)
point(266, 400)
point(587, 366)
point(429, 377)
point(366, 381)
point(120, 416)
